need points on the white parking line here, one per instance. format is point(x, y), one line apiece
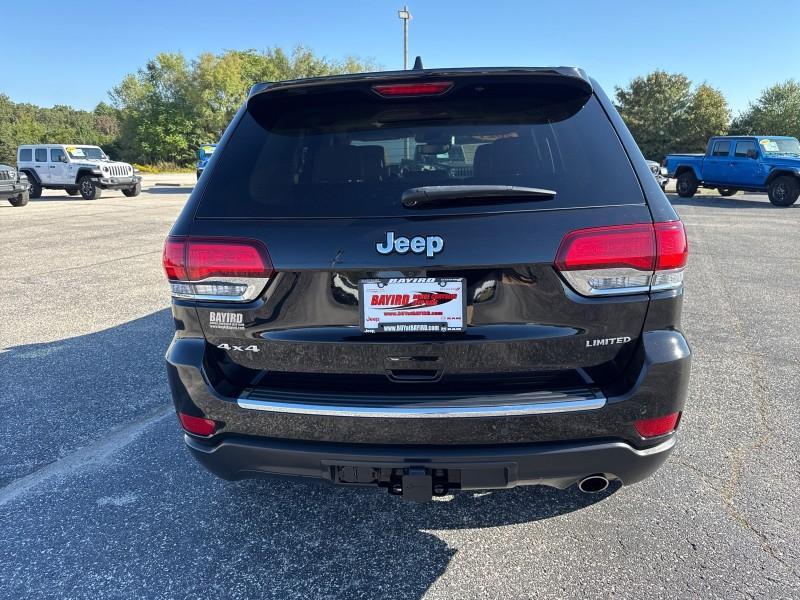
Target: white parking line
point(80, 459)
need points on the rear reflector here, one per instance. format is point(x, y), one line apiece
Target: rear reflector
point(658, 425)
point(623, 259)
point(216, 269)
point(394, 90)
point(197, 425)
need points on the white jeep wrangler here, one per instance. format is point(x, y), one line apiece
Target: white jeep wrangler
point(78, 169)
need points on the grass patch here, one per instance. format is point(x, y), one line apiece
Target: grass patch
point(164, 167)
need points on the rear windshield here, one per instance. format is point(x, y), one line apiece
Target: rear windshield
point(352, 154)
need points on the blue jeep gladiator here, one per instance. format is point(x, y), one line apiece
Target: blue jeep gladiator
point(750, 163)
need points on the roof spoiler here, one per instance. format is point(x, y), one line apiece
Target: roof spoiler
point(577, 76)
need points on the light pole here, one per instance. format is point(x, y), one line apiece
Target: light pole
point(406, 16)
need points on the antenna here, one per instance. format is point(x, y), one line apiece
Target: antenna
point(418, 64)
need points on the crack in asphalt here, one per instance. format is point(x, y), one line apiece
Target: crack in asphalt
point(96, 453)
point(763, 432)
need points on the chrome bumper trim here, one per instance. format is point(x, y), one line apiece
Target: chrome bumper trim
point(422, 412)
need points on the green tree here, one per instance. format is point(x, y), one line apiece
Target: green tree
point(172, 105)
point(776, 112)
point(29, 124)
point(706, 115)
point(664, 113)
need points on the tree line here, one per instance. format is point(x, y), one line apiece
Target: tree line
point(164, 111)
point(666, 113)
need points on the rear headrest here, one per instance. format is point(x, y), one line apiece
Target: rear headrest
point(373, 162)
point(337, 164)
point(342, 164)
point(504, 158)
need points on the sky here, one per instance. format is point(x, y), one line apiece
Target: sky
point(738, 46)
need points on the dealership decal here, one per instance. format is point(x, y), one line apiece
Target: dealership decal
point(226, 320)
point(413, 304)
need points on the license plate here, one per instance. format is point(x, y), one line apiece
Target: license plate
point(413, 304)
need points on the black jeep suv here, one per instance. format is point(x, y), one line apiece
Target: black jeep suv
point(428, 281)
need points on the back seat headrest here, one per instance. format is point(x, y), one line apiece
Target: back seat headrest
point(342, 164)
point(509, 157)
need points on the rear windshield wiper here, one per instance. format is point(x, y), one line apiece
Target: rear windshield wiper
point(433, 195)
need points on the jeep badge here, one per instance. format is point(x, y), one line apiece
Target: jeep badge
point(430, 244)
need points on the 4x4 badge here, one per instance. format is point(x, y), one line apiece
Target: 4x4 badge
point(430, 245)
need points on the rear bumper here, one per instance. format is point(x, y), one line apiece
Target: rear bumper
point(548, 441)
point(557, 464)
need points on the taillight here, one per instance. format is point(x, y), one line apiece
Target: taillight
point(394, 90)
point(197, 425)
point(623, 259)
point(216, 269)
point(174, 259)
point(673, 251)
point(657, 426)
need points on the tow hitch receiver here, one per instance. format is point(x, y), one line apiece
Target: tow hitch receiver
point(413, 483)
point(417, 485)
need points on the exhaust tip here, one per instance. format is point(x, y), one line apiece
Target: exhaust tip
point(593, 484)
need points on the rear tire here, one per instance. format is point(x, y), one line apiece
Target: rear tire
point(35, 190)
point(131, 192)
point(20, 200)
point(72, 191)
point(88, 188)
point(687, 184)
point(784, 191)
point(725, 192)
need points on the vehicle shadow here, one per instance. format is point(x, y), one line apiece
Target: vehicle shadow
point(363, 543)
point(168, 525)
point(62, 395)
point(56, 197)
point(758, 203)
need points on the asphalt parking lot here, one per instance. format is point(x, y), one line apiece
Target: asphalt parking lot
point(99, 499)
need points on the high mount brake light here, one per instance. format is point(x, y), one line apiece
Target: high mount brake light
point(396, 90)
point(624, 259)
point(216, 269)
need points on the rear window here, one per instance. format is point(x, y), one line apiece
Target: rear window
point(353, 153)
point(721, 149)
point(25, 155)
point(743, 148)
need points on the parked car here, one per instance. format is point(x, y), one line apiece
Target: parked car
point(84, 170)
point(203, 156)
point(13, 186)
point(427, 329)
point(659, 172)
point(751, 163)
